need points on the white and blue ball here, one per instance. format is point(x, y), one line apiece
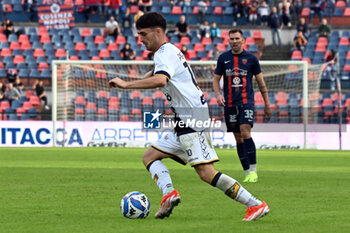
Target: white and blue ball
point(135, 205)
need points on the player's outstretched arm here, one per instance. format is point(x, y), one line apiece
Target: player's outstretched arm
point(216, 86)
point(147, 83)
point(263, 89)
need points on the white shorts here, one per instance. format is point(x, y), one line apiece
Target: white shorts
point(193, 148)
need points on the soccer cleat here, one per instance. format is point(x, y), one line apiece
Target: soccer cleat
point(253, 177)
point(168, 203)
point(246, 179)
point(256, 212)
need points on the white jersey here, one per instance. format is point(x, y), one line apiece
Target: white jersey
point(182, 91)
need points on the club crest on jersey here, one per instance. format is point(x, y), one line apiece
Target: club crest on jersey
point(236, 81)
point(244, 61)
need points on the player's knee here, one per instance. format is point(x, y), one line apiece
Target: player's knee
point(205, 172)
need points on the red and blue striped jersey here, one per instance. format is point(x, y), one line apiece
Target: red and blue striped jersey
point(238, 71)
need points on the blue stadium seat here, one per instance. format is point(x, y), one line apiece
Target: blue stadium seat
point(80, 92)
point(9, 65)
point(21, 66)
point(32, 31)
point(166, 10)
point(16, 104)
point(96, 32)
point(88, 39)
point(228, 10)
point(90, 74)
point(4, 45)
point(34, 38)
point(32, 112)
point(101, 46)
point(253, 48)
point(338, 12)
point(23, 73)
point(2, 73)
point(34, 73)
point(32, 65)
point(36, 45)
point(45, 73)
point(28, 52)
point(16, 52)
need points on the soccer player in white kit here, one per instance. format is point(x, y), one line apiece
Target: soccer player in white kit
point(186, 144)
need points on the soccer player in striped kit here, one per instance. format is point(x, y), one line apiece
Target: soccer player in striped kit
point(238, 67)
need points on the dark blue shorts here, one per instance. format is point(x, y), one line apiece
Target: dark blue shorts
point(238, 115)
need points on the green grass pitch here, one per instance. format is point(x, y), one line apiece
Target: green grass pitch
point(46, 190)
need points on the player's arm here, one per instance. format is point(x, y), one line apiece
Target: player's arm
point(263, 90)
point(154, 81)
point(216, 86)
point(149, 74)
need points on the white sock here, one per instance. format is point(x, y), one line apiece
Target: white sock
point(252, 168)
point(247, 171)
point(160, 175)
point(233, 189)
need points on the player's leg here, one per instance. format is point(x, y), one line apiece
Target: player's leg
point(242, 154)
point(166, 147)
point(233, 189)
point(232, 117)
point(249, 147)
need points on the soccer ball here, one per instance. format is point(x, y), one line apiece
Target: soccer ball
point(135, 205)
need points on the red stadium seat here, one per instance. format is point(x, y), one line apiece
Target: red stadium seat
point(322, 40)
point(3, 38)
point(102, 112)
point(218, 10)
point(147, 100)
point(34, 101)
point(199, 47)
point(60, 53)
point(320, 48)
point(249, 41)
point(297, 54)
point(206, 40)
point(15, 45)
point(26, 45)
point(120, 40)
point(3, 105)
point(347, 12)
point(74, 58)
point(91, 105)
point(134, 9)
point(185, 40)
point(20, 111)
point(42, 66)
point(176, 10)
point(80, 46)
point(79, 111)
point(124, 118)
point(99, 39)
point(5, 52)
point(27, 105)
point(340, 4)
point(305, 12)
point(85, 32)
point(80, 100)
point(135, 94)
point(195, 10)
point(45, 38)
point(113, 103)
point(344, 41)
point(192, 53)
point(257, 34)
point(104, 53)
point(38, 53)
point(158, 94)
point(18, 59)
point(112, 47)
point(102, 94)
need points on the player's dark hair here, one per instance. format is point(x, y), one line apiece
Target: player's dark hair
point(236, 30)
point(151, 20)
